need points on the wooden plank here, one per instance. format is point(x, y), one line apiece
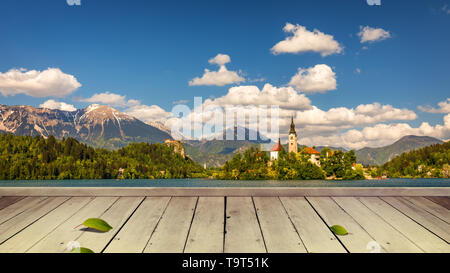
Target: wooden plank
point(225, 191)
point(171, 233)
point(115, 216)
point(206, 234)
point(383, 233)
point(426, 240)
point(57, 240)
point(433, 208)
point(134, 235)
point(279, 233)
point(357, 239)
point(6, 201)
point(19, 207)
point(21, 221)
point(36, 231)
point(441, 200)
point(429, 221)
point(314, 233)
point(243, 233)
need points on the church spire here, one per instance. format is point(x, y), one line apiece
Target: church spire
point(279, 145)
point(293, 144)
point(292, 131)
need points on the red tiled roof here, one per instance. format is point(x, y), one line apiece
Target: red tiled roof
point(310, 150)
point(276, 147)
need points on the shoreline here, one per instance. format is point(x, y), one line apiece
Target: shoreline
point(213, 179)
point(224, 191)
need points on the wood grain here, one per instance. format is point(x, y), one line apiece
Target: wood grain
point(441, 200)
point(173, 228)
point(419, 235)
point(58, 239)
point(316, 236)
point(206, 233)
point(134, 235)
point(279, 233)
point(424, 218)
point(243, 233)
point(28, 237)
point(21, 221)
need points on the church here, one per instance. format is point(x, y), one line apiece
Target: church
point(293, 147)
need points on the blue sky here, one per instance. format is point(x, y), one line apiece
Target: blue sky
point(149, 51)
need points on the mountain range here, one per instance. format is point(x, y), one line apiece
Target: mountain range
point(217, 152)
point(97, 125)
point(381, 155)
point(106, 127)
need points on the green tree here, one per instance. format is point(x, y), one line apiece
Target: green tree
point(25, 157)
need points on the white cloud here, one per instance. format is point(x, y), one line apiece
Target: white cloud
point(50, 82)
point(319, 78)
point(310, 120)
point(111, 99)
point(380, 135)
point(444, 107)
point(362, 115)
point(220, 59)
point(148, 113)
point(219, 78)
point(145, 113)
point(284, 97)
point(369, 34)
point(52, 104)
point(334, 127)
point(322, 127)
point(241, 99)
point(304, 40)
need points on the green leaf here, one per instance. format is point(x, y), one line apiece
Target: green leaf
point(81, 250)
point(339, 230)
point(97, 224)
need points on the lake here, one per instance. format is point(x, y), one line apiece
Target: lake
point(394, 182)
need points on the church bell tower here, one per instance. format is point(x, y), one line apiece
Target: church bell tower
point(292, 140)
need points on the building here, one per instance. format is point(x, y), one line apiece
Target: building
point(292, 139)
point(177, 146)
point(275, 150)
point(314, 155)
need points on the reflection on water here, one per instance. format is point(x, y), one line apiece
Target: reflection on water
point(399, 182)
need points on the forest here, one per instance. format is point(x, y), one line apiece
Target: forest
point(26, 157)
point(430, 161)
point(38, 158)
point(254, 164)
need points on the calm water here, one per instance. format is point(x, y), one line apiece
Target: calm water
point(398, 182)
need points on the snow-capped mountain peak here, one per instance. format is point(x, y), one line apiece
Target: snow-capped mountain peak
point(96, 124)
